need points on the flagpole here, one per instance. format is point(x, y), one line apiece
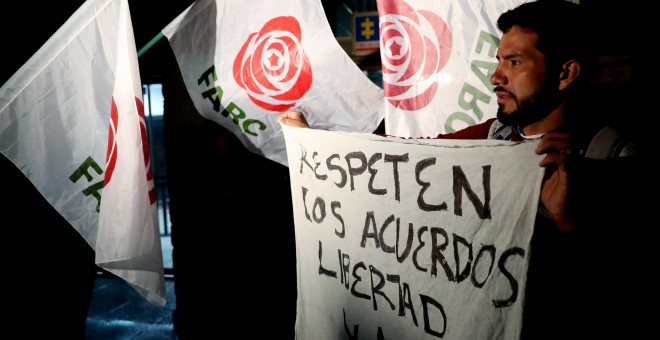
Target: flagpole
point(151, 42)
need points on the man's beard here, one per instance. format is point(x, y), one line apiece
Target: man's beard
point(532, 108)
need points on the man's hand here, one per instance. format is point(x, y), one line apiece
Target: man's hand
point(293, 118)
point(555, 188)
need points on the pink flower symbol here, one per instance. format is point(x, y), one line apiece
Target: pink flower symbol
point(272, 67)
point(416, 45)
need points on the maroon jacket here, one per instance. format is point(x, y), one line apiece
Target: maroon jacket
point(478, 131)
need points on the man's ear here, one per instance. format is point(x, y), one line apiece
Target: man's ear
point(569, 73)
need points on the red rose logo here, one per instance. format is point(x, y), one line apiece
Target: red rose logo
point(272, 66)
point(416, 46)
point(145, 151)
point(111, 155)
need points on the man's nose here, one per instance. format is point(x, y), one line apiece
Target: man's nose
point(496, 78)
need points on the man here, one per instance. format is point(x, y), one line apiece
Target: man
point(542, 67)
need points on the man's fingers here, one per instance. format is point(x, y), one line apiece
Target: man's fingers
point(293, 118)
point(555, 142)
point(554, 159)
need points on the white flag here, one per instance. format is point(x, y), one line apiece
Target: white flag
point(72, 120)
point(244, 62)
point(437, 58)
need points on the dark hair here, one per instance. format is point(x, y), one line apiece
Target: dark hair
point(562, 30)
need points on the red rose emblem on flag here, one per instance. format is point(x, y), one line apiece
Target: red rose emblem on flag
point(111, 154)
point(272, 66)
point(416, 46)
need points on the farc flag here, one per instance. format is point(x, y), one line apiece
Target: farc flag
point(245, 62)
point(437, 58)
point(72, 120)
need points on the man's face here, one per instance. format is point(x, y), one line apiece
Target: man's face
point(524, 93)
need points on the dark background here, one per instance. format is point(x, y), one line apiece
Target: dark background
point(232, 229)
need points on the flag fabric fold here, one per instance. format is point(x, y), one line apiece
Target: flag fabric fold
point(245, 62)
point(437, 58)
point(72, 120)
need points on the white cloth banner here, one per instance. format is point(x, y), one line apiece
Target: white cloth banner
point(245, 62)
point(411, 239)
point(72, 120)
point(437, 58)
